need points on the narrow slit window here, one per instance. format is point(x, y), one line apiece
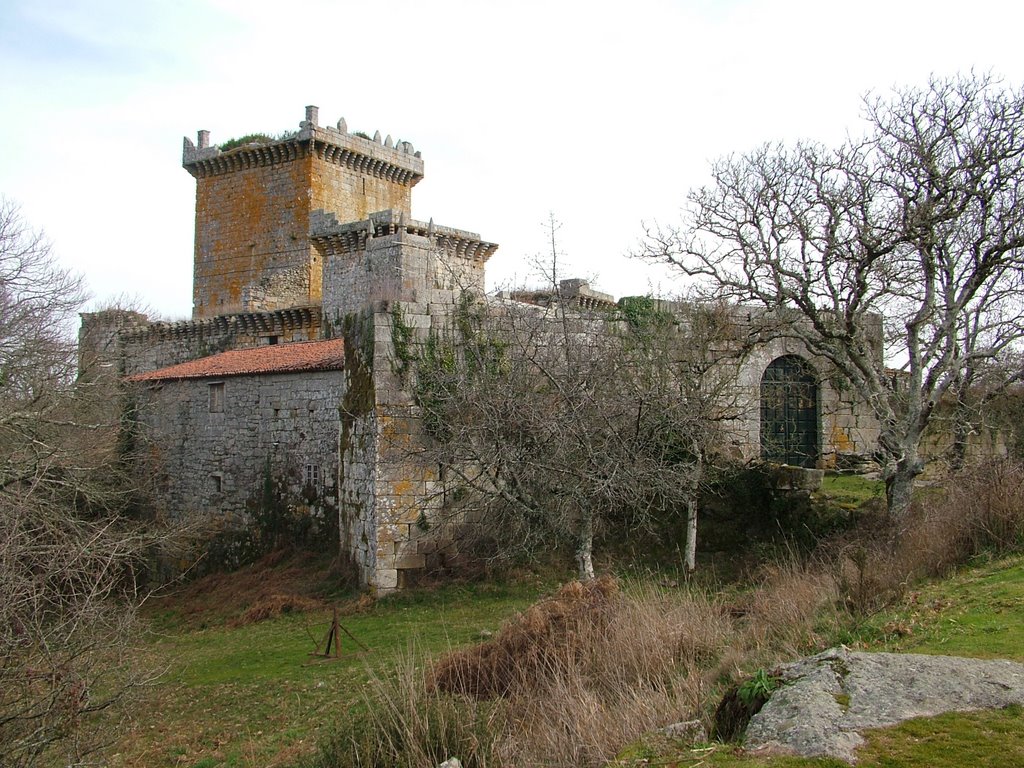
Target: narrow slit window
point(217, 397)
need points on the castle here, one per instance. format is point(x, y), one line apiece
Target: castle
point(305, 250)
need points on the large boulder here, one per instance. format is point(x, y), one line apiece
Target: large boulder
point(824, 701)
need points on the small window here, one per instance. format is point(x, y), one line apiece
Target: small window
point(313, 475)
point(217, 482)
point(271, 340)
point(217, 397)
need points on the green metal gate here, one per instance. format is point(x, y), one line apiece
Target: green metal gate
point(789, 412)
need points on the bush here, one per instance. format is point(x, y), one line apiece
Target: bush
point(977, 511)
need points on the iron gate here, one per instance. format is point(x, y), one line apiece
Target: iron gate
point(789, 412)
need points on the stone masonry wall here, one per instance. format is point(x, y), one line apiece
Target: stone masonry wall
point(848, 427)
point(129, 343)
point(384, 283)
point(389, 257)
point(280, 290)
point(353, 196)
point(211, 459)
point(408, 492)
point(250, 224)
point(253, 206)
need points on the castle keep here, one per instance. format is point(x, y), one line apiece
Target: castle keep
point(306, 254)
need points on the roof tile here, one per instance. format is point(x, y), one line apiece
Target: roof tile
point(294, 357)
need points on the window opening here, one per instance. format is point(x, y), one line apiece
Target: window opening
point(217, 397)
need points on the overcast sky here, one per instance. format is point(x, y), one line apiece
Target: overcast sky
point(603, 113)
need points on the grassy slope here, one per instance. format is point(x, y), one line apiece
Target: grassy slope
point(978, 612)
point(253, 696)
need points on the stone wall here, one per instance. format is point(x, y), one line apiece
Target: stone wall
point(250, 224)
point(849, 429)
point(393, 497)
point(211, 450)
point(253, 207)
point(129, 343)
point(389, 282)
point(390, 257)
point(280, 290)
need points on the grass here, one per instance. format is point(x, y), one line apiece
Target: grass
point(246, 695)
point(976, 612)
point(851, 491)
point(253, 696)
point(989, 738)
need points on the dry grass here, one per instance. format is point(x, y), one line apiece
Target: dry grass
point(978, 510)
point(652, 662)
point(579, 675)
point(547, 637)
point(569, 681)
point(274, 605)
point(284, 581)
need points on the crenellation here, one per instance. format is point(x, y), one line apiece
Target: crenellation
point(396, 162)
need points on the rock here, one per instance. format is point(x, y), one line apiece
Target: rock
point(785, 477)
point(689, 731)
point(825, 700)
point(451, 762)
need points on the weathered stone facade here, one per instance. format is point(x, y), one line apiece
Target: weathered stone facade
point(136, 345)
point(215, 449)
point(254, 204)
point(310, 238)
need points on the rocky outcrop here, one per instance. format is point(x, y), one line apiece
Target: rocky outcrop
point(824, 701)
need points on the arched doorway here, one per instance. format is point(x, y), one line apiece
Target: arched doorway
point(789, 412)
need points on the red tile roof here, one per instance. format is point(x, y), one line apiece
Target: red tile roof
point(277, 358)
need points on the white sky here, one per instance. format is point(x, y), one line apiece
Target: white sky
point(603, 113)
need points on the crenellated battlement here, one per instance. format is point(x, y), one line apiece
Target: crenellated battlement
point(332, 238)
point(396, 162)
point(255, 324)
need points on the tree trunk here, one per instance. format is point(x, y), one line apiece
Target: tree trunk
point(696, 480)
point(962, 429)
point(899, 484)
point(585, 547)
point(691, 535)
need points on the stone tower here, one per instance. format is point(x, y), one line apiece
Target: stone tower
point(254, 204)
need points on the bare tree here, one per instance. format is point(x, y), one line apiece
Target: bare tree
point(553, 423)
point(918, 226)
point(67, 559)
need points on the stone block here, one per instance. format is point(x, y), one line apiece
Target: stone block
point(385, 578)
point(410, 560)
